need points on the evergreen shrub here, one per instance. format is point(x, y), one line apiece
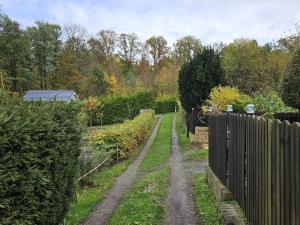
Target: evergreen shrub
point(165, 105)
point(39, 149)
point(125, 136)
point(117, 109)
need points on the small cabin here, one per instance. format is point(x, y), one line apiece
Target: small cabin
point(51, 95)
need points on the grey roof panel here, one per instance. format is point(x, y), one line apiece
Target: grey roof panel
point(48, 95)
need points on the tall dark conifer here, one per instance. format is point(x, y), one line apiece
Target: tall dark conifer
point(198, 76)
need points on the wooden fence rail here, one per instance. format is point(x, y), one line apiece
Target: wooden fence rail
point(259, 161)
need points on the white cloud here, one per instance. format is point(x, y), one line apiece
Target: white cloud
point(209, 20)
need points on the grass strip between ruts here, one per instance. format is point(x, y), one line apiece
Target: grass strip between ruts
point(144, 203)
point(161, 149)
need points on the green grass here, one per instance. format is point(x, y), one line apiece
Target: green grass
point(206, 203)
point(161, 149)
point(196, 154)
point(87, 198)
point(144, 202)
point(181, 132)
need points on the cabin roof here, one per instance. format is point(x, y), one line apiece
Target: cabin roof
point(50, 95)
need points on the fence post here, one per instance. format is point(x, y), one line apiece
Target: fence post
point(187, 125)
point(193, 120)
point(228, 139)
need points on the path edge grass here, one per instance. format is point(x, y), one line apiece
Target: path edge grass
point(106, 178)
point(157, 154)
point(207, 206)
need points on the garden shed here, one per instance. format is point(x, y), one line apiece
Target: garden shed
point(51, 95)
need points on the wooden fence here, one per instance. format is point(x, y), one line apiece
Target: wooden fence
point(259, 161)
point(217, 139)
point(196, 118)
point(291, 117)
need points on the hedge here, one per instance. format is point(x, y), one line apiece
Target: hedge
point(39, 149)
point(117, 109)
point(120, 108)
point(125, 137)
point(165, 105)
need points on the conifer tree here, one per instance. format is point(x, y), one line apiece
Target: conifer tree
point(198, 76)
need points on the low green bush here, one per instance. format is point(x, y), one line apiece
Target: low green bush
point(125, 137)
point(269, 104)
point(117, 109)
point(165, 105)
point(39, 149)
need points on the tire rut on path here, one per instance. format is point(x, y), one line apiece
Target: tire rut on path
point(104, 210)
point(180, 201)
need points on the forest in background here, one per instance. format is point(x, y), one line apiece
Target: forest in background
point(50, 56)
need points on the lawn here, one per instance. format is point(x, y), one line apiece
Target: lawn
point(196, 154)
point(181, 132)
point(161, 149)
point(144, 202)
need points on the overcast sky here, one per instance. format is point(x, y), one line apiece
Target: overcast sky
point(209, 20)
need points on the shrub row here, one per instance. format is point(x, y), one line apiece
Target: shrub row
point(120, 108)
point(165, 105)
point(39, 149)
point(117, 109)
point(125, 137)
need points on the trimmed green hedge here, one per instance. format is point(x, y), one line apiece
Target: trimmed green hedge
point(124, 136)
point(165, 105)
point(39, 149)
point(117, 109)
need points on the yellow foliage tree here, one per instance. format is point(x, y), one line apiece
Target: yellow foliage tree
point(166, 81)
point(220, 97)
point(113, 83)
point(93, 109)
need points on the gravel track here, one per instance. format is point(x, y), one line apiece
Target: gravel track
point(180, 201)
point(104, 210)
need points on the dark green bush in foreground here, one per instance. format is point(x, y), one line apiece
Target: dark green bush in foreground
point(39, 149)
point(165, 105)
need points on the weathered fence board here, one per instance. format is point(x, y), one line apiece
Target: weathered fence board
point(291, 117)
point(236, 153)
point(218, 140)
point(259, 161)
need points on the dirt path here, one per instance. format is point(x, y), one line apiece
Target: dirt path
point(105, 209)
point(180, 202)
